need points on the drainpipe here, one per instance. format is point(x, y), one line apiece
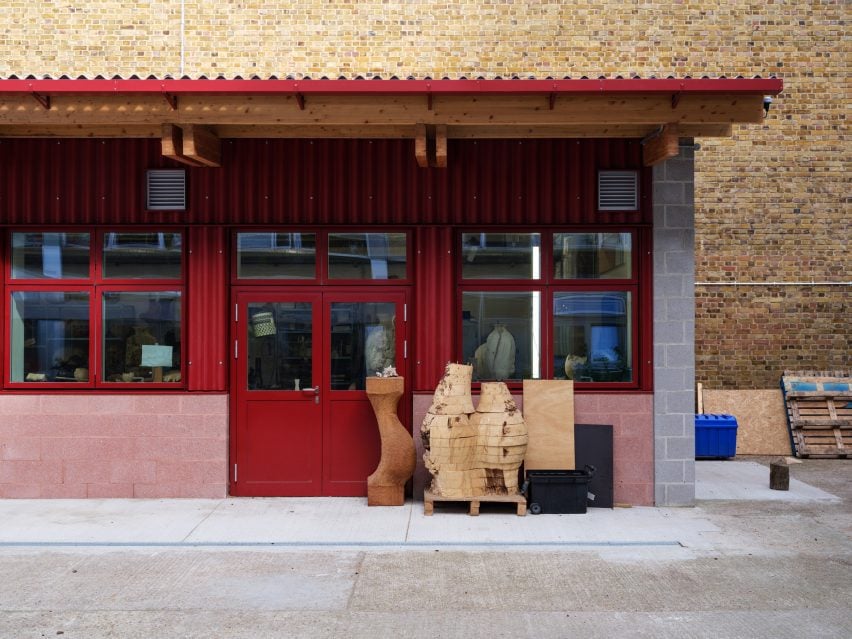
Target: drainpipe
point(182, 35)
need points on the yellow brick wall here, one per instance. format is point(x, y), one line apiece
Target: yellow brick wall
point(772, 203)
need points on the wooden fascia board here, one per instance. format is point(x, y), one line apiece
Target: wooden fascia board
point(359, 110)
point(454, 132)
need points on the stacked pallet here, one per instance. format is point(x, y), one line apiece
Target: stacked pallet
point(819, 412)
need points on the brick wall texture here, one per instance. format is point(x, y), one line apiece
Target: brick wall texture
point(772, 203)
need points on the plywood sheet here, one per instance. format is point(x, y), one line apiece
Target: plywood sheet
point(761, 419)
point(549, 415)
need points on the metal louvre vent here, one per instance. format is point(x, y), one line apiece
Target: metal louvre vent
point(166, 190)
point(618, 190)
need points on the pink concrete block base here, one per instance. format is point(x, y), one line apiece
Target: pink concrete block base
point(162, 445)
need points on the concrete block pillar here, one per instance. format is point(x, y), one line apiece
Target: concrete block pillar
point(674, 329)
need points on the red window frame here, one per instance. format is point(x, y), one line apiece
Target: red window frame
point(95, 284)
point(638, 285)
point(322, 277)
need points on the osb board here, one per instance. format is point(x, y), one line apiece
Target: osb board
point(549, 416)
point(761, 419)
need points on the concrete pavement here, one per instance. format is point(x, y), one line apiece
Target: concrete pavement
point(740, 564)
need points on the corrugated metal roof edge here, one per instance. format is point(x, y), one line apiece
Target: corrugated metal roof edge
point(370, 77)
point(396, 86)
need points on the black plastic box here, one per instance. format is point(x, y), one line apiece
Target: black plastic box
point(559, 491)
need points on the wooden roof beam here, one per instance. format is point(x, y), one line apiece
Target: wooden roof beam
point(440, 161)
point(660, 145)
point(375, 131)
point(421, 146)
point(348, 110)
point(430, 145)
point(172, 145)
point(202, 145)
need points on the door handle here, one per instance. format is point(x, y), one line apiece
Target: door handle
point(315, 390)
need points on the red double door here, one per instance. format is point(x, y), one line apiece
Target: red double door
point(301, 421)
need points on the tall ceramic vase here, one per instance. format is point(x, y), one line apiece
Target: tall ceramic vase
point(386, 486)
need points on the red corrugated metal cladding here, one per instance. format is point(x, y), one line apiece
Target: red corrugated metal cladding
point(433, 338)
point(207, 312)
point(324, 181)
point(303, 182)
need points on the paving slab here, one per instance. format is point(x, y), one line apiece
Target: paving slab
point(744, 480)
point(102, 520)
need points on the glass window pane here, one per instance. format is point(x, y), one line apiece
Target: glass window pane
point(592, 255)
point(501, 334)
point(142, 255)
point(289, 256)
point(363, 342)
point(141, 336)
point(592, 337)
point(49, 337)
point(367, 256)
point(280, 346)
point(50, 255)
point(510, 256)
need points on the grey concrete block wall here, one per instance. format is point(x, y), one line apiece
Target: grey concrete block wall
point(674, 329)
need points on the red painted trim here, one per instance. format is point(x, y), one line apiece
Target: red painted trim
point(321, 255)
point(755, 86)
point(94, 286)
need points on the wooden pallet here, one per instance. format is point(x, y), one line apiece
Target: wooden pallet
point(823, 442)
point(429, 499)
point(819, 412)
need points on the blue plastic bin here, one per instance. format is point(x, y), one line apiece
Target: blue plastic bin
point(715, 436)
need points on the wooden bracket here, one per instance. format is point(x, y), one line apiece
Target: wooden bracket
point(202, 145)
point(43, 100)
point(171, 99)
point(430, 145)
point(429, 101)
point(551, 100)
point(676, 99)
point(440, 159)
point(420, 144)
point(660, 145)
point(172, 141)
point(300, 100)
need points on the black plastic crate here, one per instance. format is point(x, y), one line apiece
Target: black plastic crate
point(558, 491)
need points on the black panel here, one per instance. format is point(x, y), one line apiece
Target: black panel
point(593, 446)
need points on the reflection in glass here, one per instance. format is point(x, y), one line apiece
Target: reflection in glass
point(280, 346)
point(592, 338)
point(501, 256)
point(592, 255)
point(142, 255)
point(363, 342)
point(289, 256)
point(367, 256)
point(501, 334)
point(49, 337)
point(141, 336)
point(50, 255)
